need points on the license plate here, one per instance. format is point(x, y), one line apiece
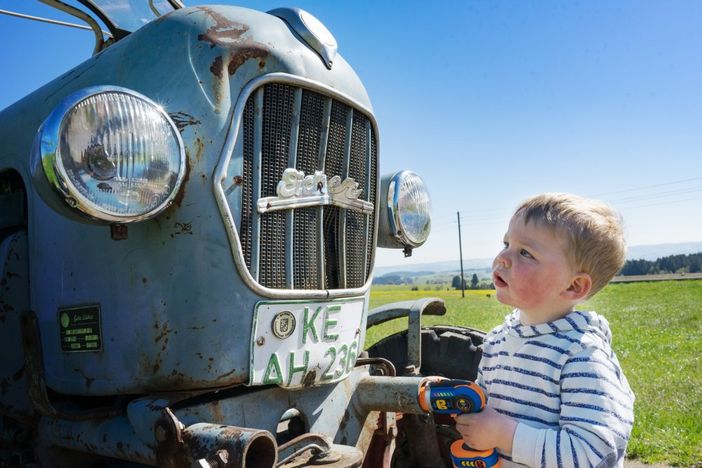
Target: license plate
point(301, 343)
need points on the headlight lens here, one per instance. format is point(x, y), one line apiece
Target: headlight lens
point(410, 208)
point(113, 153)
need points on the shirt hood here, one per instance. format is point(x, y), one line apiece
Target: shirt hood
point(574, 321)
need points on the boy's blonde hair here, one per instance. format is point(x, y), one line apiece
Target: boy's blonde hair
point(592, 229)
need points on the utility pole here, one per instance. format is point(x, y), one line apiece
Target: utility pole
point(460, 252)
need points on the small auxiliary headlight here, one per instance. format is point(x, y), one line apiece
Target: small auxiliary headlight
point(113, 154)
point(408, 221)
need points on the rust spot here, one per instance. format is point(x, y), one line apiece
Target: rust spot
point(217, 67)
point(224, 32)
point(224, 376)
point(164, 332)
point(238, 180)
point(217, 414)
point(308, 380)
point(239, 55)
point(200, 149)
point(177, 379)
point(183, 120)
point(156, 367)
point(119, 232)
point(183, 228)
point(181, 193)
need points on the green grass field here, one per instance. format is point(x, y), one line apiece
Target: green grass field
point(657, 328)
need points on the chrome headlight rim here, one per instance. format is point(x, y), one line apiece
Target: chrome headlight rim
point(397, 228)
point(49, 137)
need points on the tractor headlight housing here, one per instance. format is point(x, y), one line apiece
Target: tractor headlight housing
point(408, 221)
point(113, 154)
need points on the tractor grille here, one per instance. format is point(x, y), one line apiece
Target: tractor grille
point(306, 248)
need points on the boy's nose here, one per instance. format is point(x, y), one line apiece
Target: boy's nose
point(502, 260)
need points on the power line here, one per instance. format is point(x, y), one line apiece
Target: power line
point(646, 187)
point(663, 203)
point(658, 194)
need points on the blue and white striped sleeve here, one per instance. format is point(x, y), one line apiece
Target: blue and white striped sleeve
point(487, 347)
point(596, 416)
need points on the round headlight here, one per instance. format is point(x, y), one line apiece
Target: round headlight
point(409, 208)
point(113, 154)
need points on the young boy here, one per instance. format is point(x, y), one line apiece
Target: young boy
point(556, 393)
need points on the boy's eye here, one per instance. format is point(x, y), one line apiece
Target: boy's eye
point(525, 253)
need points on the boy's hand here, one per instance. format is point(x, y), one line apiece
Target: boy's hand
point(487, 429)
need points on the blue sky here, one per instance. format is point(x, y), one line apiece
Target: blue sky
point(493, 101)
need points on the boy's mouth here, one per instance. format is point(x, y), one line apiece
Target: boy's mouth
point(498, 281)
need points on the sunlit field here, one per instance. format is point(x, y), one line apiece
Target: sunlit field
point(657, 328)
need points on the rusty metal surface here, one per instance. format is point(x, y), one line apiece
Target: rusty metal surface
point(378, 366)
point(382, 447)
point(315, 443)
point(340, 421)
point(337, 456)
point(239, 447)
point(113, 437)
point(390, 393)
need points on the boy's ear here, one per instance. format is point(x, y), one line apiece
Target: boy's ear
point(580, 287)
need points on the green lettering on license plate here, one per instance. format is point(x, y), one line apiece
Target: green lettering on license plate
point(296, 344)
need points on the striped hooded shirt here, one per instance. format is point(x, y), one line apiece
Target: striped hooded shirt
point(563, 383)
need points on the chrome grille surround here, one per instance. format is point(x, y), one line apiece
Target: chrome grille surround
point(285, 121)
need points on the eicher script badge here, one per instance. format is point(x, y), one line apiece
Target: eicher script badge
point(296, 190)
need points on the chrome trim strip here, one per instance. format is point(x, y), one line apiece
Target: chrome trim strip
point(256, 172)
point(228, 220)
point(324, 137)
point(369, 153)
point(323, 141)
point(290, 216)
point(342, 213)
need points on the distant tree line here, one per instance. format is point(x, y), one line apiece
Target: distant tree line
point(475, 283)
point(690, 263)
point(393, 279)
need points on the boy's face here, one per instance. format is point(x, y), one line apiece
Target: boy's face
point(532, 272)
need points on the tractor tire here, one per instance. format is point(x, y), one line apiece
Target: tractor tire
point(452, 352)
